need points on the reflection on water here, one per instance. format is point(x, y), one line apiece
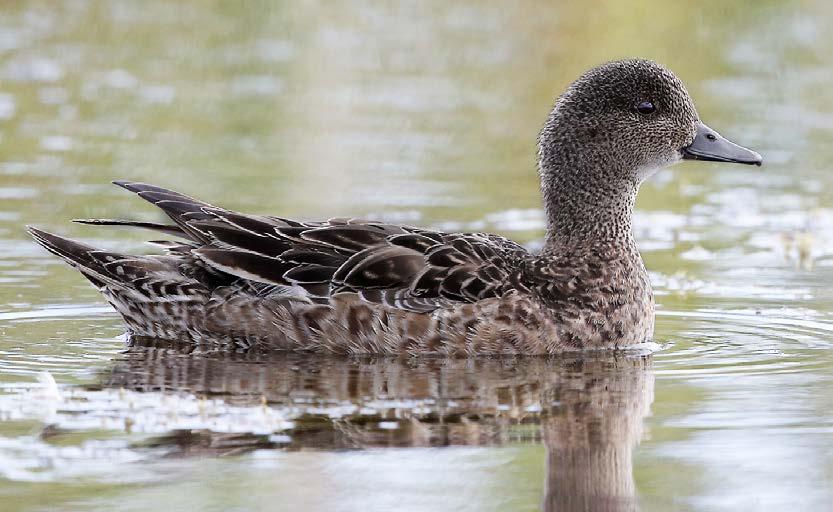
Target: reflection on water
point(586, 411)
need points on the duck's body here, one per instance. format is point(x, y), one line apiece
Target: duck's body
point(361, 287)
point(353, 286)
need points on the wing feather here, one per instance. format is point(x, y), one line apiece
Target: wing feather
point(400, 266)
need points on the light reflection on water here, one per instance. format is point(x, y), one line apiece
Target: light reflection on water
point(423, 114)
point(586, 412)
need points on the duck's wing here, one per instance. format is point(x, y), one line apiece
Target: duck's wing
point(401, 266)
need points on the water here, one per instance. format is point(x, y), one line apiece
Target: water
point(424, 114)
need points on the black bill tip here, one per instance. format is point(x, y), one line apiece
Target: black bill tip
point(711, 146)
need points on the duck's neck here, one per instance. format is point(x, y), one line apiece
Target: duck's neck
point(586, 207)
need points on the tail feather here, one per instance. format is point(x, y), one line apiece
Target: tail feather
point(77, 254)
point(73, 251)
point(162, 228)
point(116, 271)
point(179, 207)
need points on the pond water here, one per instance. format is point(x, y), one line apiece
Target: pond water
point(425, 114)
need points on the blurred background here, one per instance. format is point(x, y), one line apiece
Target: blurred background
point(421, 113)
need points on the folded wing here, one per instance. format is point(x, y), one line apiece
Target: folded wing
point(404, 267)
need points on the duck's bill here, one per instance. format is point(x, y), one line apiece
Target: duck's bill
point(710, 145)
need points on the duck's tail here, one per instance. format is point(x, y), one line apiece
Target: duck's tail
point(150, 293)
point(79, 255)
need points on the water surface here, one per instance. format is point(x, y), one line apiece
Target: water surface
point(424, 114)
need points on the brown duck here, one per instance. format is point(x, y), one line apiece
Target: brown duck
point(360, 287)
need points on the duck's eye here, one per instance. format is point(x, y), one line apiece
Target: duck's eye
point(646, 107)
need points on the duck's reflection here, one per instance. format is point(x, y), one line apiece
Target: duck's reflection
point(588, 411)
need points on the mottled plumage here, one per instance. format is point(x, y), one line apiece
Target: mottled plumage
point(357, 286)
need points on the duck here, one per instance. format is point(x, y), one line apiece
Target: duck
point(352, 286)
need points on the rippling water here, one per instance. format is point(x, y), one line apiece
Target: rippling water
point(425, 114)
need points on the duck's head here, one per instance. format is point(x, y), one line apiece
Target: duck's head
point(626, 119)
point(611, 129)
